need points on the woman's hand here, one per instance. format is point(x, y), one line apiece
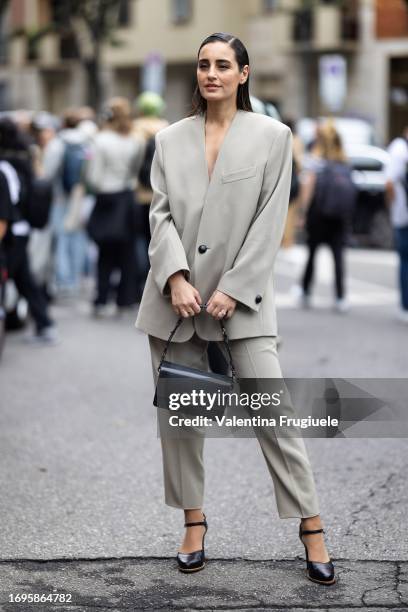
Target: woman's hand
point(185, 298)
point(221, 306)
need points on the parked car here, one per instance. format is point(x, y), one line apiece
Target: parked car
point(371, 223)
point(264, 108)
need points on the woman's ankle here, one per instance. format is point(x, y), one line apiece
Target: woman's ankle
point(193, 514)
point(312, 522)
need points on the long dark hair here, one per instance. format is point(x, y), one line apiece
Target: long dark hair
point(199, 104)
point(14, 148)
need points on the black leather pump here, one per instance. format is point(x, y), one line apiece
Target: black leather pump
point(323, 573)
point(194, 561)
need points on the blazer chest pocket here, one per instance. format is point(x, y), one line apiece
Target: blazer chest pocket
point(238, 175)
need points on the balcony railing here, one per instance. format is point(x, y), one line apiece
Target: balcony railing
point(349, 20)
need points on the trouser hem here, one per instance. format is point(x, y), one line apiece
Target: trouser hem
point(298, 516)
point(183, 506)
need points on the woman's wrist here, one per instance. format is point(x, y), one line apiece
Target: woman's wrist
point(176, 278)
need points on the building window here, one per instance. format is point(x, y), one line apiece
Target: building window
point(303, 25)
point(181, 11)
point(4, 98)
point(68, 47)
point(3, 40)
point(59, 13)
point(270, 5)
point(124, 16)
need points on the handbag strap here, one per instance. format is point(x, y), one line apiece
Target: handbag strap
point(224, 338)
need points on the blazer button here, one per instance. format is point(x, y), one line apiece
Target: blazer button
point(202, 248)
point(258, 299)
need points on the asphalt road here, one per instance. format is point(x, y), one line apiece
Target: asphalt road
point(81, 500)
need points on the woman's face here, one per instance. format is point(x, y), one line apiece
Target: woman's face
point(218, 74)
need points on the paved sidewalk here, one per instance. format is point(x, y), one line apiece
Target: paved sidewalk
point(82, 507)
point(225, 584)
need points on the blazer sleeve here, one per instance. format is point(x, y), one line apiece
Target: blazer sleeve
point(166, 251)
point(246, 281)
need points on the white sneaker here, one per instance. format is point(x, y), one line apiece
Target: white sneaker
point(46, 337)
point(402, 315)
point(342, 305)
point(301, 298)
point(103, 311)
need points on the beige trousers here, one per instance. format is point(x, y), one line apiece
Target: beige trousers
point(286, 457)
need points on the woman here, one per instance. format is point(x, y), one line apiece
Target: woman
point(221, 181)
point(112, 173)
point(329, 197)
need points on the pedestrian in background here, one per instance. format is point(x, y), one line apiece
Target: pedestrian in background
point(289, 235)
point(40, 247)
point(18, 170)
point(63, 162)
point(6, 217)
point(150, 107)
point(329, 195)
point(111, 172)
point(397, 198)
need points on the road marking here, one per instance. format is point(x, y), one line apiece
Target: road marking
point(298, 253)
point(359, 292)
point(286, 300)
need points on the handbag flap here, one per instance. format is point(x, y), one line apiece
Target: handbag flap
point(176, 370)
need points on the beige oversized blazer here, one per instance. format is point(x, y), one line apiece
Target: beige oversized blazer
point(224, 232)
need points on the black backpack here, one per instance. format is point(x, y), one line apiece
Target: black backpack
point(72, 165)
point(144, 174)
point(335, 193)
point(39, 202)
point(405, 181)
point(294, 183)
point(36, 194)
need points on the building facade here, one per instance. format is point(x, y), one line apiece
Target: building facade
point(158, 46)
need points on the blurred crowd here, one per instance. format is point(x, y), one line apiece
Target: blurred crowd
point(75, 194)
point(74, 202)
point(324, 203)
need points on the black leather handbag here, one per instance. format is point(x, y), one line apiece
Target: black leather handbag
point(112, 218)
point(39, 202)
point(172, 376)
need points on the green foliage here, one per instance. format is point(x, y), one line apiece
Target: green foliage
point(91, 23)
point(99, 16)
